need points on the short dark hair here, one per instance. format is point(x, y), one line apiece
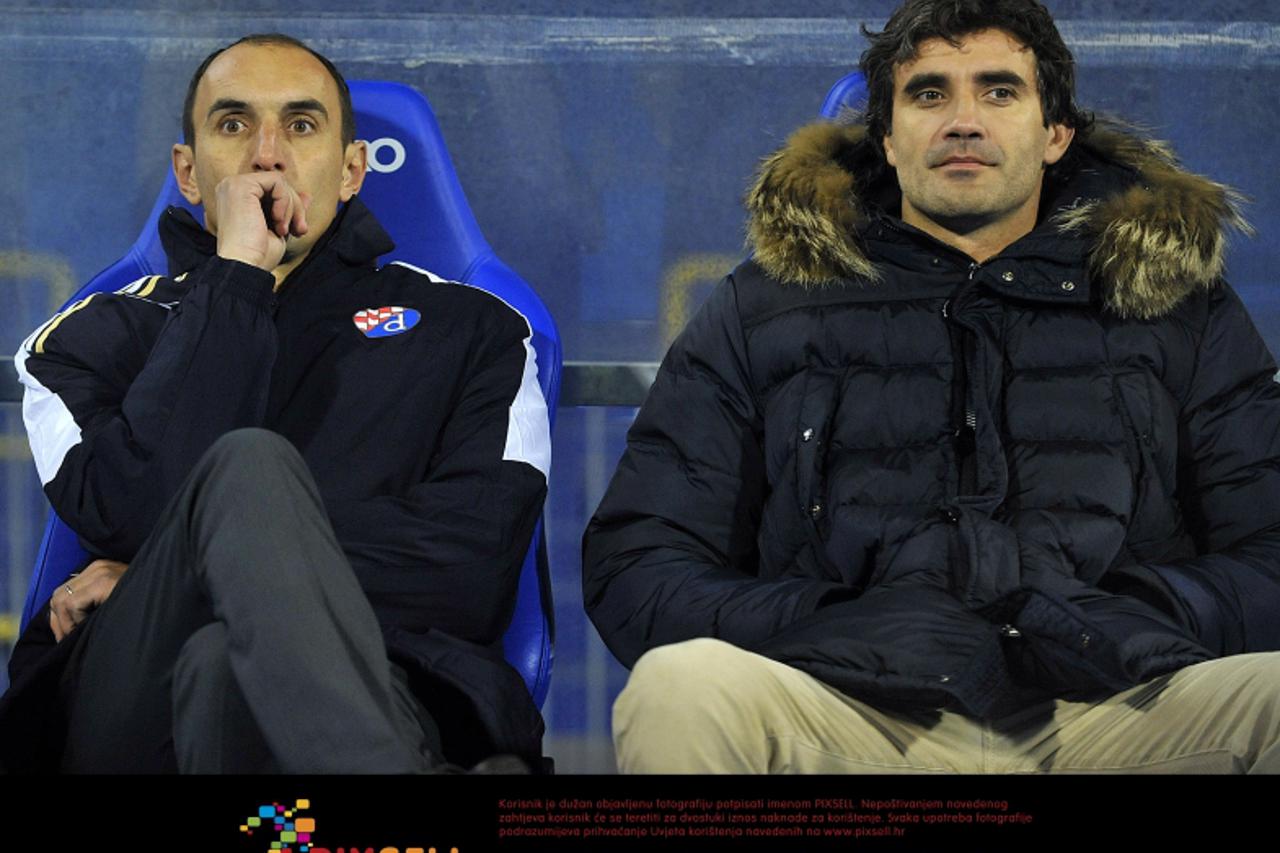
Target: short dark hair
point(917, 21)
point(344, 93)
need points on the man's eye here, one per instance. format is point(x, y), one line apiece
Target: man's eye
point(929, 95)
point(231, 125)
point(302, 125)
point(1003, 93)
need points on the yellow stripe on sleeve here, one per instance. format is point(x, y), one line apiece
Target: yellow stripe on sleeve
point(148, 287)
point(62, 315)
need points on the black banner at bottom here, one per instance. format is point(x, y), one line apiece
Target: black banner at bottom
point(590, 813)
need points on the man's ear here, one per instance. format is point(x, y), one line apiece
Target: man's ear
point(1059, 141)
point(887, 144)
point(355, 165)
point(184, 170)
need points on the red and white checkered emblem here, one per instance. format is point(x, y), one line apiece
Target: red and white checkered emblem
point(385, 322)
point(370, 318)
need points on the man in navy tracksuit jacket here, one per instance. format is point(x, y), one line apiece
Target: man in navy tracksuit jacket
point(311, 481)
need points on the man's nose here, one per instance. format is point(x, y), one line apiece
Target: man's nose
point(267, 152)
point(964, 121)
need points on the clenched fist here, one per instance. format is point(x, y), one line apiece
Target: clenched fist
point(257, 214)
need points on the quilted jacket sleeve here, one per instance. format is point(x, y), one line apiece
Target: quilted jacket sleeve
point(115, 426)
point(1229, 483)
point(670, 554)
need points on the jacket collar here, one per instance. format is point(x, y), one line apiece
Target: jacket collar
point(1147, 232)
point(354, 238)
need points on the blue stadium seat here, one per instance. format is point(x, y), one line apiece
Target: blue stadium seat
point(849, 93)
point(414, 191)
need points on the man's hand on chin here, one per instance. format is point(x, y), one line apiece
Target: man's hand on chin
point(81, 593)
point(257, 213)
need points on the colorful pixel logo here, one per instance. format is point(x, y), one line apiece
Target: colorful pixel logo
point(292, 833)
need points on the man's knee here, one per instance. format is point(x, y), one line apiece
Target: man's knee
point(696, 670)
point(1238, 680)
point(1220, 716)
point(688, 708)
point(697, 681)
point(251, 449)
point(1246, 688)
point(1229, 706)
point(249, 464)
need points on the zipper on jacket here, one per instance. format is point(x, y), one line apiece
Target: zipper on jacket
point(967, 452)
point(966, 443)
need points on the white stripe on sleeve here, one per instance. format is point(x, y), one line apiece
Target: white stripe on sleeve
point(51, 429)
point(528, 427)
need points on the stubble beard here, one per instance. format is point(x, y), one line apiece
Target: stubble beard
point(964, 209)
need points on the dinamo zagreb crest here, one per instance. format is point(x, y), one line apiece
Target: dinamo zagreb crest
point(386, 321)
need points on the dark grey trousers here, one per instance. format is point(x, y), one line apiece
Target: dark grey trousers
point(239, 640)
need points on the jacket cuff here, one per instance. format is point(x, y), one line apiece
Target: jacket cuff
point(1200, 604)
point(750, 625)
point(1175, 593)
point(254, 285)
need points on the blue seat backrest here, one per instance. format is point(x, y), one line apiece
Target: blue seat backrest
point(414, 191)
point(849, 93)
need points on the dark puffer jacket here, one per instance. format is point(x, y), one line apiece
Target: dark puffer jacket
point(930, 482)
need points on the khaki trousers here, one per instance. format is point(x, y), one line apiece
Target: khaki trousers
point(705, 706)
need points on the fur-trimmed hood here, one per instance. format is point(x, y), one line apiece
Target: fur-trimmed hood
point(1157, 236)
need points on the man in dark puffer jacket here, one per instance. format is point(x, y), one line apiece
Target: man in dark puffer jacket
point(975, 466)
